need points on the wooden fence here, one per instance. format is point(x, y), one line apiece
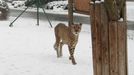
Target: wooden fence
point(109, 41)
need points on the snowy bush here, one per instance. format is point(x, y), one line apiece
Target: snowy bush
point(3, 10)
point(130, 35)
point(17, 4)
point(57, 5)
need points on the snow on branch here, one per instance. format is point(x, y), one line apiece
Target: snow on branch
point(121, 19)
point(102, 0)
point(91, 2)
point(97, 1)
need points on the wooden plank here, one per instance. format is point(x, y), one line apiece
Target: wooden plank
point(93, 33)
point(70, 12)
point(113, 48)
point(98, 39)
point(126, 52)
point(104, 41)
point(125, 26)
point(122, 29)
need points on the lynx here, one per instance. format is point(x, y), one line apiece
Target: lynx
point(67, 35)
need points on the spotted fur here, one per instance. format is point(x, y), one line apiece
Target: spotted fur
point(67, 35)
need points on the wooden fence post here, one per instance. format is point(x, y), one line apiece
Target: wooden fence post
point(113, 48)
point(104, 41)
point(109, 42)
point(95, 20)
point(122, 52)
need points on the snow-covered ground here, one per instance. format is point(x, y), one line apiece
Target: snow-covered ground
point(27, 49)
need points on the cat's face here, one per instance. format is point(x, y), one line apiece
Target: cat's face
point(76, 28)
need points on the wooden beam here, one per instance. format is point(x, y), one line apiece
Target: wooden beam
point(104, 41)
point(70, 12)
point(113, 48)
point(122, 33)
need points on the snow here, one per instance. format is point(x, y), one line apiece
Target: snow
point(130, 11)
point(57, 5)
point(91, 2)
point(97, 1)
point(121, 19)
point(130, 52)
point(102, 0)
point(27, 49)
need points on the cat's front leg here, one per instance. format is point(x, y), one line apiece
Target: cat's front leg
point(71, 51)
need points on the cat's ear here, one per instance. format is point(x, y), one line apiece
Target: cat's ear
point(80, 24)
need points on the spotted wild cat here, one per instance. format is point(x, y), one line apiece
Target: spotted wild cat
point(67, 35)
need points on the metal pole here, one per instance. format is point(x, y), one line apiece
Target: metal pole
point(11, 24)
point(37, 12)
point(47, 17)
point(38, 6)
